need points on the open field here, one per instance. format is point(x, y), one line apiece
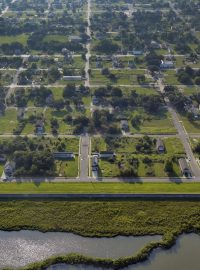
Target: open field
point(156, 188)
point(8, 121)
point(18, 38)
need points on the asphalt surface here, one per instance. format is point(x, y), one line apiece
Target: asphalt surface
point(84, 157)
point(86, 178)
point(182, 134)
point(101, 196)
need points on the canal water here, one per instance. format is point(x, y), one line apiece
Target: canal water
point(19, 248)
point(185, 255)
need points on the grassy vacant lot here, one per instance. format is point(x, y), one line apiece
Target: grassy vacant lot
point(190, 126)
point(104, 218)
point(170, 77)
point(123, 77)
point(8, 121)
point(60, 38)
point(188, 91)
point(153, 124)
point(18, 38)
point(67, 168)
point(90, 188)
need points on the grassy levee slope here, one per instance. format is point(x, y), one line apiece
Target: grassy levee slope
point(112, 188)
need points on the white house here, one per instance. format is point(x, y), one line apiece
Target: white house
point(72, 78)
point(166, 64)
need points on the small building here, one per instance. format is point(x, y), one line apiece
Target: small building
point(107, 155)
point(155, 45)
point(160, 147)
point(2, 159)
point(9, 169)
point(95, 163)
point(95, 101)
point(72, 78)
point(75, 39)
point(184, 166)
point(166, 65)
point(64, 155)
point(99, 64)
point(137, 52)
point(39, 127)
point(124, 125)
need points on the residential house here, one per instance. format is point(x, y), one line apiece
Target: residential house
point(95, 163)
point(166, 65)
point(160, 147)
point(72, 78)
point(39, 127)
point(184, 166)
point(107, 155)
point(155, 45)
point(137, 52)
point(75, 39)
point(124, 125)
point(9, 169)
point(64, 155)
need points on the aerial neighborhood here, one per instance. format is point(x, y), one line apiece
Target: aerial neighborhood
point(106, 92)
point(99, 134)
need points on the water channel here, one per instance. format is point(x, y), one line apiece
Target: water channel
point(19, 248)
point(185, 255)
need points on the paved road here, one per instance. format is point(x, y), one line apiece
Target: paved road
point(88, 31)
point(85, 178)
point(84, 158)
point(182, 133)
point(48, 135)
point(101, 196)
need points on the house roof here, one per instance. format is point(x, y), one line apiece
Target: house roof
point(159, 143)
point(183, 164)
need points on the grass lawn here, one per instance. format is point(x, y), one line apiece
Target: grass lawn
point(18, 38)
point(128, 188)
point(188, 91)
point(170, 77)
point(57, 92)
point(123, 77)
point(60, 38)
point(8, 121)
point(153, 124)
point(190, 126)
point(1, 168)
point(67, 168)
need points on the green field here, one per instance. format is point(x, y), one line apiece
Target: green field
point(60, 38)
point(123, 77)
point(18, 38)
point(190, 126)
point(8, 121)
point(82, 188)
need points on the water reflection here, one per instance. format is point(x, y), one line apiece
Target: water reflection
point(23, 247)
point(185, 255)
